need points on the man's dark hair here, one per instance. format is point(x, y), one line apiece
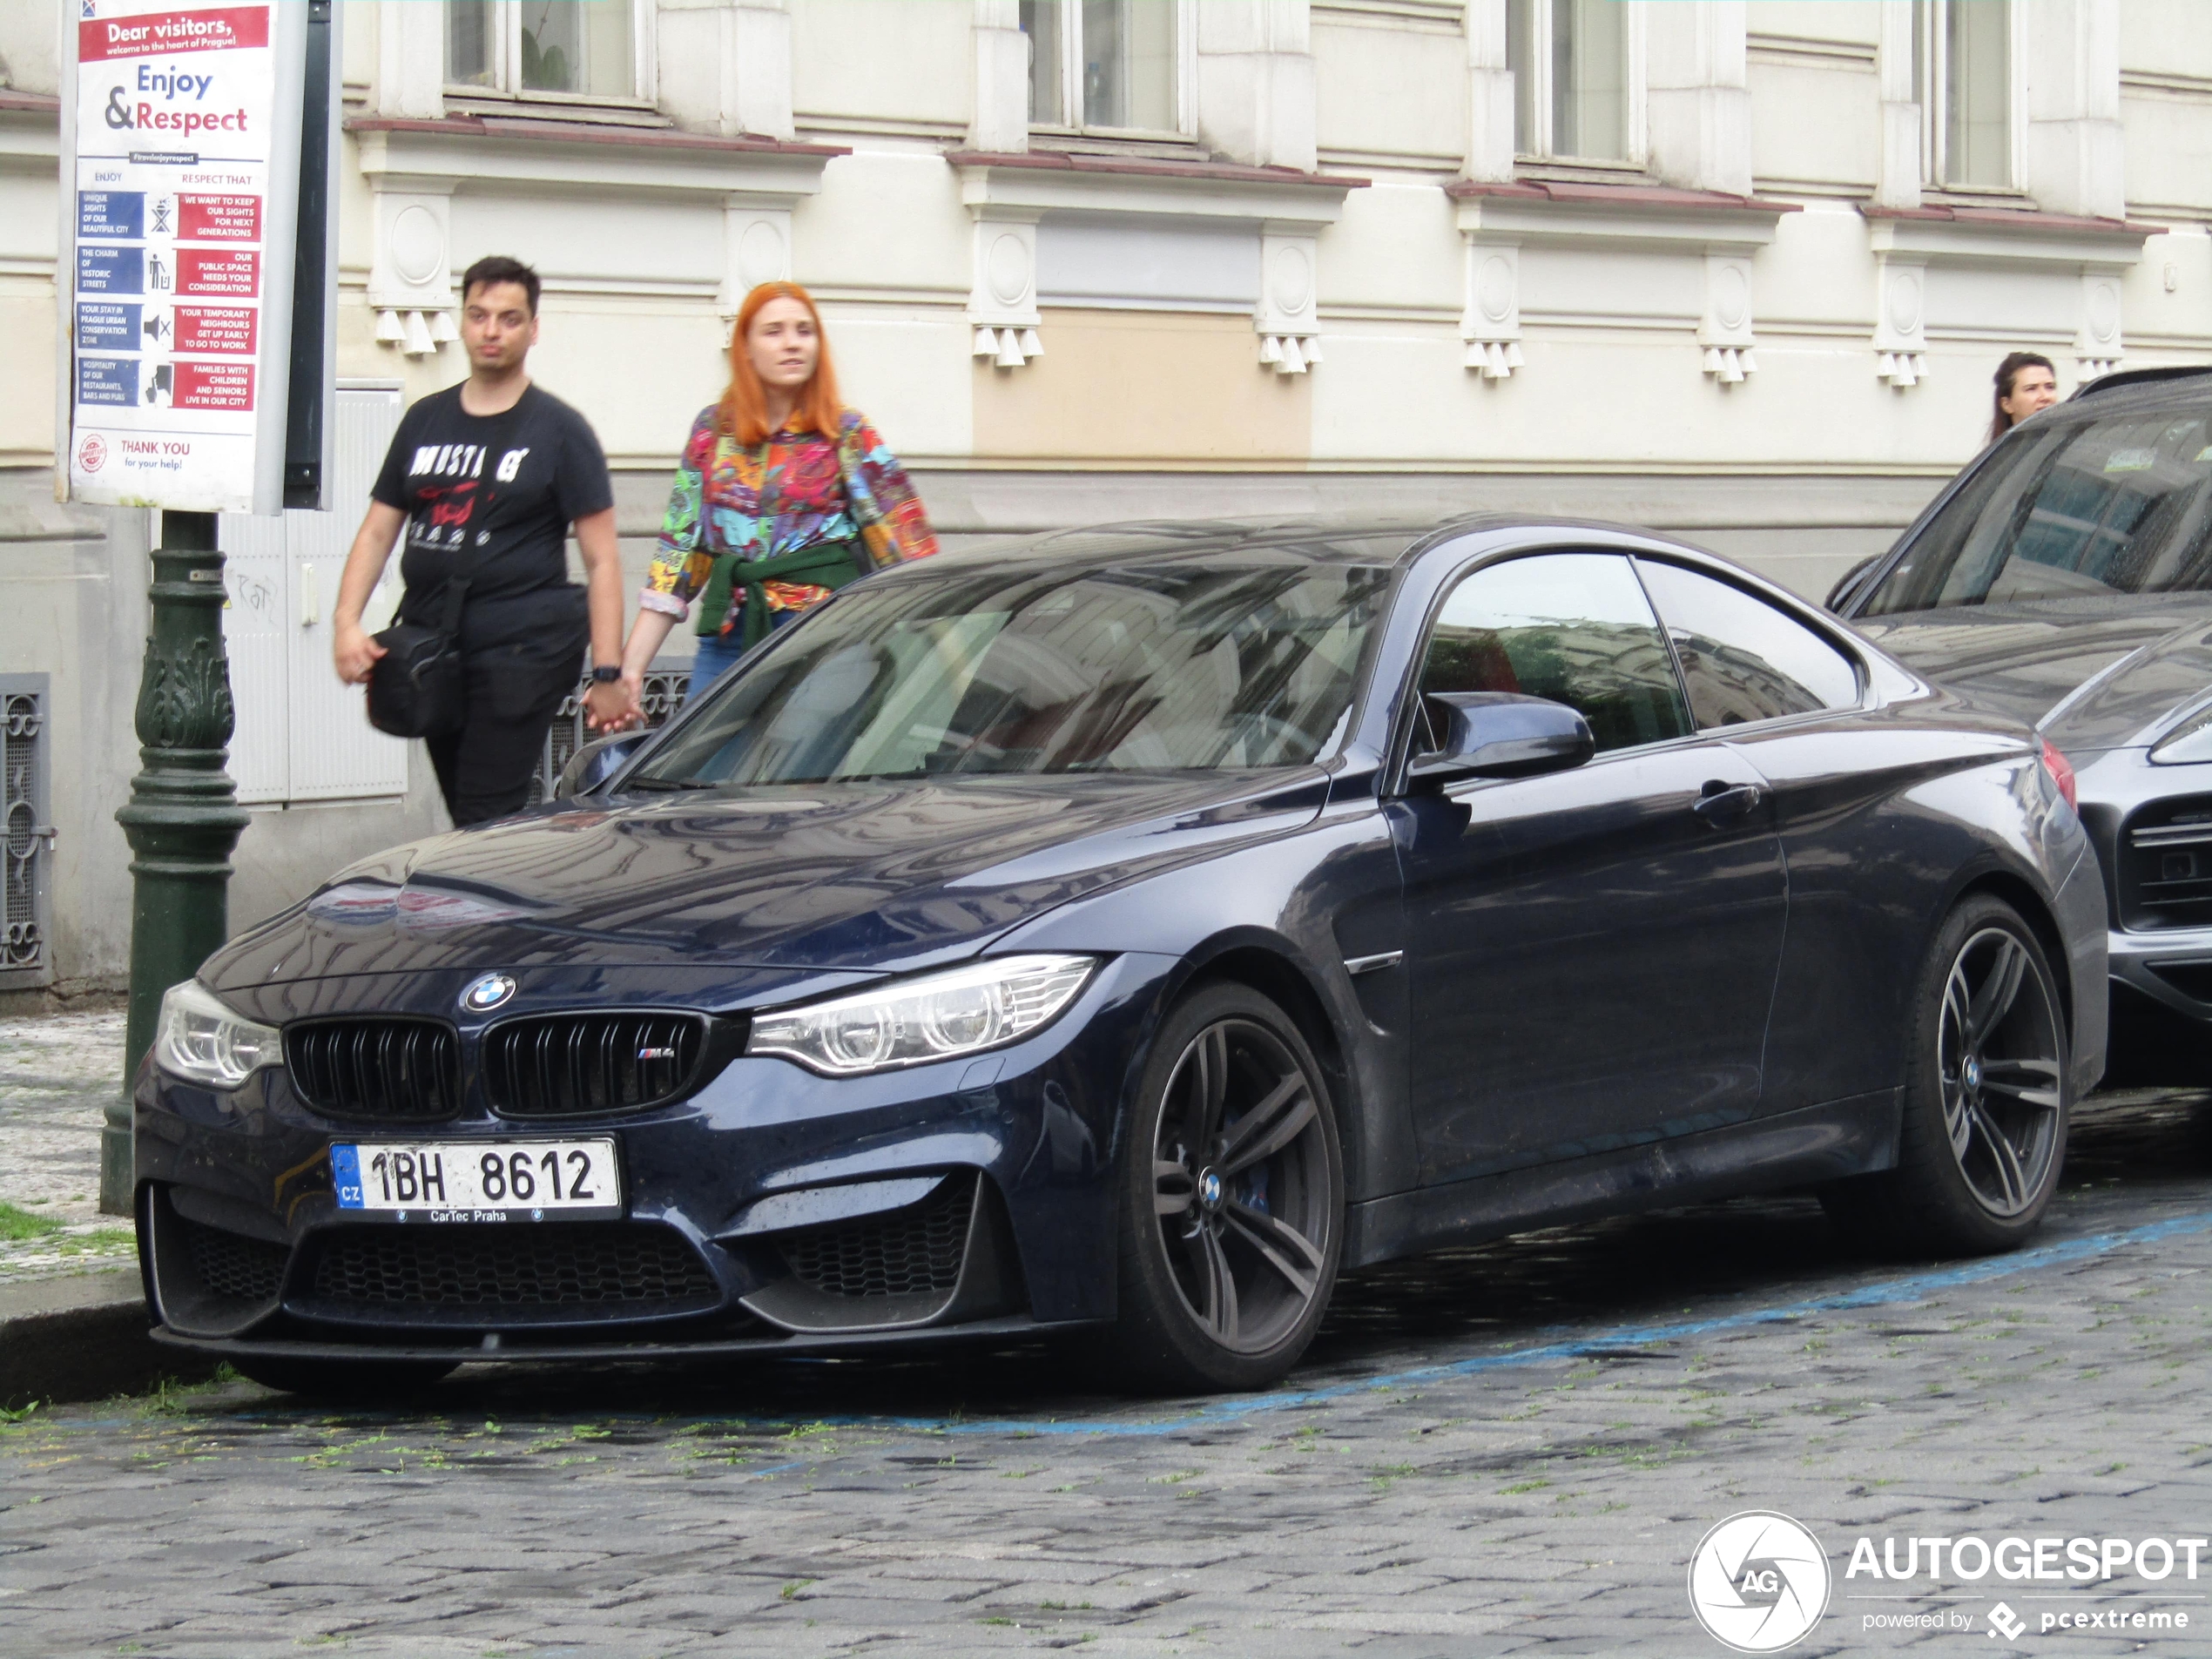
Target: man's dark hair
point(497, 267)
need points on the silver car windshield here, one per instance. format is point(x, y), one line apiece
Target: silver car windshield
point(2118, 505)
point(1173, 666)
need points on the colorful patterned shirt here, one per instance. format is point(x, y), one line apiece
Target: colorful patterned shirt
point(798, 490)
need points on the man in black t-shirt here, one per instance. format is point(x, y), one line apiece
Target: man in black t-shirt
point(487, 477)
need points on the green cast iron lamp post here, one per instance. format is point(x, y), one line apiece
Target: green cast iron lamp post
point(182, 818)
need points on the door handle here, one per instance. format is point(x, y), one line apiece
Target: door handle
point(1724, 803)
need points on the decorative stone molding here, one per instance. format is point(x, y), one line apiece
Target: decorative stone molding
point(1003, 304)
point(2097, 252)
point(1009, 195)
point(415, 168)
point(410, 270)
point(2097, 349)
point(756, 238)
point(1901, 316)
point(1287, 316)
point(1722, 230)
point(1724, 330)
point(1490, 324)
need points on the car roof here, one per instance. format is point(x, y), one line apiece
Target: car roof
point(1319, 540)
point(2177, 384)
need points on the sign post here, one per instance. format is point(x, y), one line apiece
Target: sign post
point(195, 378)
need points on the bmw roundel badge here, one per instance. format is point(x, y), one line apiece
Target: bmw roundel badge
point(488, 994)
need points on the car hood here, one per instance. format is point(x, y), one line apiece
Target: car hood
point(850, 876)
point(2094, 673)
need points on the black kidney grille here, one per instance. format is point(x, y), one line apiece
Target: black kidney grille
point(251, 1270)
point(381, 1068)
point(607, 1265)
point(907, 1252)
point(564, 1065)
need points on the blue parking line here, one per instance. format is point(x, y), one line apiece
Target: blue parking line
point(1913, 1289)
point(1224, 1412)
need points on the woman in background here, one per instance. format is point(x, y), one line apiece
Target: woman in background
point(2026, 385)
point(782, 496)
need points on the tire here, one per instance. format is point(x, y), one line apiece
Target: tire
point(1231, 1200)
point(1987, 1098)
point(367, 1382)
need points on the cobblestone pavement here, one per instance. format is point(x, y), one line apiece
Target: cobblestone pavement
point(1500, 1450)
point(57, 1072)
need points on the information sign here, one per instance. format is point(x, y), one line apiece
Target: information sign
point(182, 183)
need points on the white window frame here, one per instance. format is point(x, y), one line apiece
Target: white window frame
point(1071, 77)
point(1929, 58)
point(1539, 94)
point(507, 58)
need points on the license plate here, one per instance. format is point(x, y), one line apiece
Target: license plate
point(480, 1181)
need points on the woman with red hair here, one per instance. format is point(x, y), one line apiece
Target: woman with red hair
point(783, 495)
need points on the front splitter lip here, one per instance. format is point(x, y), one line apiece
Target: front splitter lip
point(2133, 957)
point(1011, 1328)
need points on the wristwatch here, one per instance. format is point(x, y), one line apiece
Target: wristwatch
point(604, 675)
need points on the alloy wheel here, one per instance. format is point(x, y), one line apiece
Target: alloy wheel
point(2000, 1062)
point(1241, 1187)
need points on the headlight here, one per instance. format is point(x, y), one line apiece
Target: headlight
point(938, 1016)
point(2192, 741)
point(202, 1041)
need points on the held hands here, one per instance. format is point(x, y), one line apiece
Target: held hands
point(615, 706)
point(354, 652)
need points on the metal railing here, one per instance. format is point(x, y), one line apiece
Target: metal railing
point(666, 683)
point(26, 869)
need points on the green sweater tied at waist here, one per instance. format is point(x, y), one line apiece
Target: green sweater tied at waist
point(826, 564)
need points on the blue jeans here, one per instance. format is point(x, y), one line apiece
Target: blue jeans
point(716, 652)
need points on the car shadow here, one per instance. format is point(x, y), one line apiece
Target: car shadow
point(2131, 1153)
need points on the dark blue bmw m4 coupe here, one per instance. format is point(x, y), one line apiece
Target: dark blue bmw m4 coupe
point(1121, 935)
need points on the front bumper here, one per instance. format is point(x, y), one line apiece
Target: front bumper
point(2172, 968)
point(769, 1210)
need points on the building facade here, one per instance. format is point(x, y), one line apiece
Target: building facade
point(1739, 269)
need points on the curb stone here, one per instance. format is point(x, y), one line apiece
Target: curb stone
point(83, 1336)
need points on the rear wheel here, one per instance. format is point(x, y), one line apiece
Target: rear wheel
point(1231, 1200)
point(1987, 1101)
point(367, 1382)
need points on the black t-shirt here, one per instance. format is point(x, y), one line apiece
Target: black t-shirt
point(490, 497)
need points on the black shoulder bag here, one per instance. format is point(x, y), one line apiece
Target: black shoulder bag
point(417, 688)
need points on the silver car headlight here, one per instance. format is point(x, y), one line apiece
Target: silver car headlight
point(935, 1016)
point(202, 1041)
point(2191, 741)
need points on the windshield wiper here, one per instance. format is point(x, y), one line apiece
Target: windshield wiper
point(670, 783)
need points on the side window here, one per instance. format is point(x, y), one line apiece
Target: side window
point(1742, 658)
point(1573, 627)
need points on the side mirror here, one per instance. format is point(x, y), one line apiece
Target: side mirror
point(1501, 734)
point(595, 763)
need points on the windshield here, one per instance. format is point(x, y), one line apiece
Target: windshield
point(1172, 666)
point(2119, 505)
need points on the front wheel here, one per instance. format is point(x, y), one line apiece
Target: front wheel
point(1232, 1201)
point(1987, 1101)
